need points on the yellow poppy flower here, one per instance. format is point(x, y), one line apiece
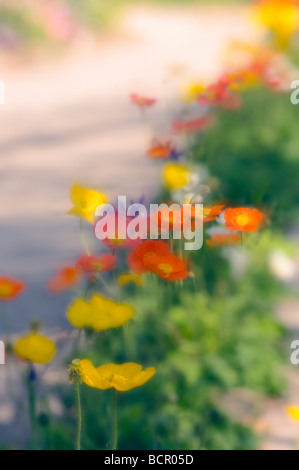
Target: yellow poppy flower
point(78, 314)
point(293, 412)
point(107, 314)
point(85, 202)
point(192, 92)
point(125, 279)
point(176, 176)
point(282, 17)
point(122, 377)
point(99, 314)
point(35, 348)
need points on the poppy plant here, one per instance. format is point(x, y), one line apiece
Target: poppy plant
point(85, 202)
point(121, 377)
point(99, 313)
point(10, 288)
point(66, 278)
point(243, 219)
point(94, 264)
point(35, 348)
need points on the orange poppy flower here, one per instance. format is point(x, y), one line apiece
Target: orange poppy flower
point(208, 214)
point(155, 256)
point(10, 288)
point(212, 213)
point(223, 239)
point(66, 278)
point(168, 267)
point(93, 264)
point(142, 101)
point(159, 150)
point(243, 219)
point(139, 258)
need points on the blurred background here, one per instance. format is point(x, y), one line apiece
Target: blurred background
point(69, 67)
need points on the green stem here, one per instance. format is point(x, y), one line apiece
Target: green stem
point(100, 279)
point(31, 379)
point(6, 325)
point(115, 285)
point(79, 424)
point(83, 239)
point(78, 341)
point(114, 413)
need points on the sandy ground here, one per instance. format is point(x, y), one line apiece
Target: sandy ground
point(70, 119)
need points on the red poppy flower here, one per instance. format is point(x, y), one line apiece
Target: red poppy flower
point(222, 239)
point(221, 94)
point(139, 258)
point(243, 219)
point(193, 126)
point(214, 94)
point(93, 264)
point(142, 101)
point(66, 278)
point(10, 288)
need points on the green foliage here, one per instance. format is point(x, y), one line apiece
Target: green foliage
point(23, 23)
point(202, 346)
point(253, 152)
point(97, 14)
